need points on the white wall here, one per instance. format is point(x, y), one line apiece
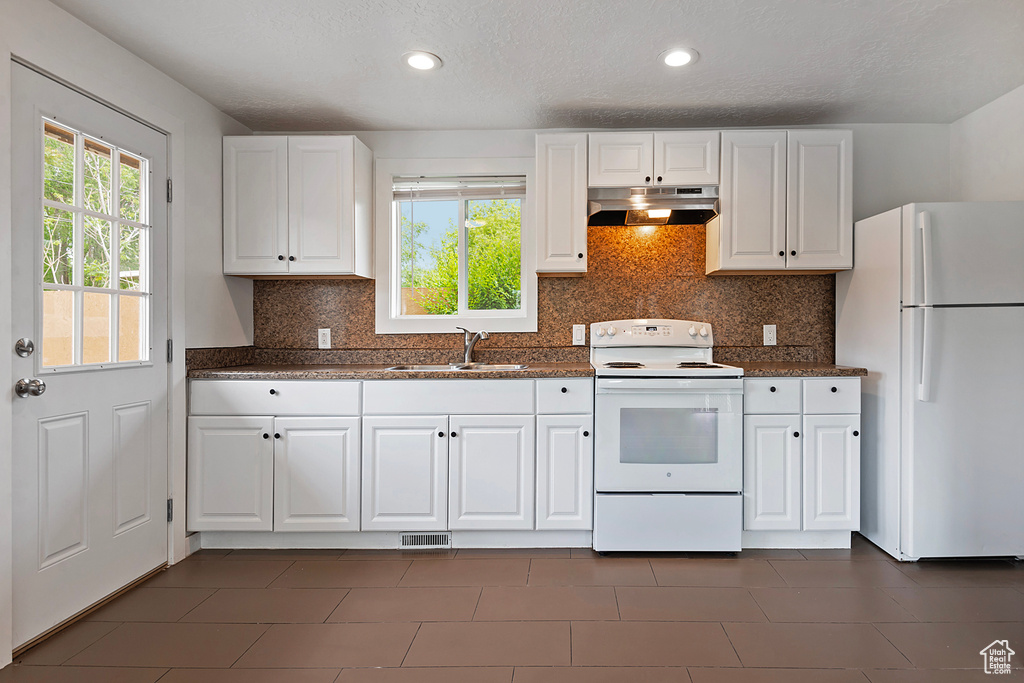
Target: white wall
point(987, 151)
point(218, 312)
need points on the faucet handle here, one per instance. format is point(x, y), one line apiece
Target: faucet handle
point(465, 332)
point(484, 335)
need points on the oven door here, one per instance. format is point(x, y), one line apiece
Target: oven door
point(679, 435)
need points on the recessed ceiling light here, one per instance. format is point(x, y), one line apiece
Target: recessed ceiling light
point(680, 56)
point(422, 61)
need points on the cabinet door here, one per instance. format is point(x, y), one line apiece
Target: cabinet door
point(316, 474)
point(687, 157)
point(621, 159)
point(405, 473)
point(752, 223)
point(819, 214)
point(561, 182)
point(831, 454)
point(320, 200)
point(771, 472)
point(491, 472)
point(230, 474)
point(565, 472)
point(255, 205)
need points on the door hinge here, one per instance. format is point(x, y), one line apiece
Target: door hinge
point(170, 191)
point(170, 509)
point(170, 350)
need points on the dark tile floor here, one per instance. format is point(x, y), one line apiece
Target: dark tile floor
point(540, 616)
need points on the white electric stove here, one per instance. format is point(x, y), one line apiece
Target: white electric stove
point(668, 447)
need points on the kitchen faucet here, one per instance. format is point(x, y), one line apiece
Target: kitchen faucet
point(470, 342)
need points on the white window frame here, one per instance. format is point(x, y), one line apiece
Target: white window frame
point(388, 319)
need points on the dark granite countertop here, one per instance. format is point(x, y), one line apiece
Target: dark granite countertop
point(354, 371)
point(799, 370)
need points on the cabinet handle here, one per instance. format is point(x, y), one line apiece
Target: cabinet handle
point(454, 434)
point(793, 253)
point(440, 435)
point(280, 257)
point(856, 433)
point(564, 390)
point(796, 434)
point(276, 435)
point(579, 255)
point(659, 179)
point(292, 258)
point(273, 392)
point(782, 253)
point(266, 436)
point(647, 179)
point(586, 433)
point(772, 389)
point(835, 389)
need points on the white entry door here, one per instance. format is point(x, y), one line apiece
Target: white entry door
point(89, 270)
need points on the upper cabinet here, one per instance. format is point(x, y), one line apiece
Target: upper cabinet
point(686, 157)
point(561, 203)
point(297, 206)
point(786, 202)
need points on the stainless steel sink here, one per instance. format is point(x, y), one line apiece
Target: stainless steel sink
point(460, 366)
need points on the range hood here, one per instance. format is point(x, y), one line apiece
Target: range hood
point(691, 205)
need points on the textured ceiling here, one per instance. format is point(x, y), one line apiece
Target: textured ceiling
point(335, 64)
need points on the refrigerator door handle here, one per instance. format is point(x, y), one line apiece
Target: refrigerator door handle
point(924, 224)
point(924, 386)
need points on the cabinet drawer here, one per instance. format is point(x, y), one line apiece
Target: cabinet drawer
point(563, 396)
point(771, 396)
point(828, 396)
point(270, 397)
point(449, 397)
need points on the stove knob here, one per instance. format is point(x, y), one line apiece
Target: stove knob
point(703, 331)
point(693, 331)
point(611, 331)
point(600, 331)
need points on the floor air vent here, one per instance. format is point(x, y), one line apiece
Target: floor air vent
point(426, 541)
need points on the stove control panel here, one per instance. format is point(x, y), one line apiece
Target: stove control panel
point(651, 332)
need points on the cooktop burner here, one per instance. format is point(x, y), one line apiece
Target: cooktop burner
point(698, 365)
point(623, 364)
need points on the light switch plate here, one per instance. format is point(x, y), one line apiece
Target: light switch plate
point(323, 338)
point(769, 335)
point(579, 335)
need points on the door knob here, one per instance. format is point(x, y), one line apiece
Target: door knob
point(29, 387)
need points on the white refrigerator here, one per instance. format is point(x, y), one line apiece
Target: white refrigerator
point(934, 309)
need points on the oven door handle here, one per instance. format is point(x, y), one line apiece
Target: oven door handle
point(669, 386)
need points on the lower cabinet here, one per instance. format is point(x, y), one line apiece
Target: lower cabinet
point(771, 472)
point(405, 473)
point(565, 472)
point(831, 457)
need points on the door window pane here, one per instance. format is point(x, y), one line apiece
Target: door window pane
point(58, 164)
point(58, 246)
point(97, 178)
point(130, 330)
point(96, 247)
point(668, 436)
point(58, 327)
point(429, 257)
point(131, 188)
point(96, 328)
point(131, 247)
point(493, 253)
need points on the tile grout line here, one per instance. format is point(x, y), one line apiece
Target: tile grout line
point(252, 644)
point(78, 652)
point(409, 649)
point(195, 607)
point(767, 619)
point(348, 592)
point(163, 675)
point(479, 597)
point(402, 577)
point(615, 593)
point(894, 646)
point(736, 652)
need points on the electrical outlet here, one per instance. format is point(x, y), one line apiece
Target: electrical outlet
point(769, 335)
point(323, 338)
point(579, 335)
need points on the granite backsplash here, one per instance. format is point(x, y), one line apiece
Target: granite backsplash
point(632, 272)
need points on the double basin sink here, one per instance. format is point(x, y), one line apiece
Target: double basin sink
point(460, 366)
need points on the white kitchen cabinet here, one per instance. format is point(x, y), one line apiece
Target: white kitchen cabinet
point(297, 205)
point(405, 473)
point(230, 473)
point(685, 157)
point(561, 202)
point(316, 474)
point(565, 472)
point(786, 202)
point(831, 463)
point(491, 472)
point(771, 472)
point(801, 455)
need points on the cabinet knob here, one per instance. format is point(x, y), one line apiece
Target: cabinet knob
point(454, 434)
point(782, 253)
point(647, 179)
point(579, 255)
point(797, 434)
point(276, 435)
point(856, 433)
point(586, 433)
point(273, 392)
point(266, 436)
point(565, 390)
point(835, 389)
point(280, 257)
point(440, 435)
point(772, 389)
point(793, 253)
point(292, 258)
point(659, 179)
